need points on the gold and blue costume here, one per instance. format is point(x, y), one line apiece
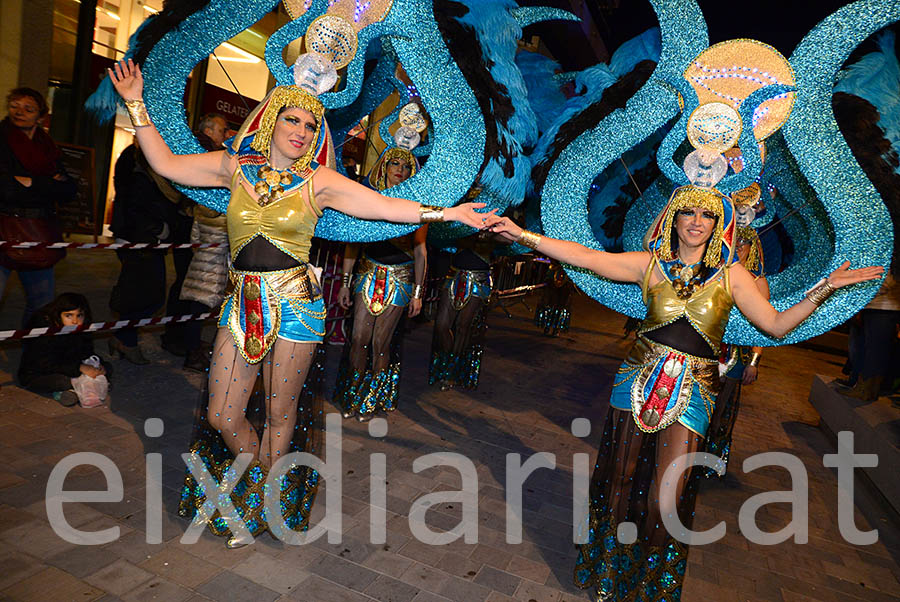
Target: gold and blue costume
point(458, 362)
point(262, 306)
point(662, 401)
point(736, 359)
point(379, 286)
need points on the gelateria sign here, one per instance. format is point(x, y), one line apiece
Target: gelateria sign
point(218, 499)
point(233, 107)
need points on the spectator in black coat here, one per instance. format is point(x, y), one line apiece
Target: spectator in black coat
point(50, 363)
point(145, 211)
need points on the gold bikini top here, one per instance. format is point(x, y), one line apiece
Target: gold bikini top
point(289, 222)
point(706, 310)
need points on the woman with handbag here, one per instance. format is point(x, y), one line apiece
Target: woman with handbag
point(32, 180)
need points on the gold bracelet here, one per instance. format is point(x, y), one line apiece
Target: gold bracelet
point(529, 239)
point(137, 110)
point(430, 213)
point(754, 359)
point(345, 279)
point(820, 292)
point(418, 291)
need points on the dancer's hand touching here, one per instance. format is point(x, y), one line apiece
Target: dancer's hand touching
point(505, 227)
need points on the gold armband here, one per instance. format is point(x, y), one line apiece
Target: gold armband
point(429, 213)
point(418, 291)
point(529, 239)
point(137, 110)
point(754, 359)
point(345, 279)
point(820, 292)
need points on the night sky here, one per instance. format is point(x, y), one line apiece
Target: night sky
point(781, 23)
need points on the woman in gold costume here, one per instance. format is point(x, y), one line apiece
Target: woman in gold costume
point(663, 394)
point(273, 314)
point(389, 277)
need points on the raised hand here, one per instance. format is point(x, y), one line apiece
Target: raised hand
point(505, 227)
point(466, 214)
point(127, 80)
point(844, 276)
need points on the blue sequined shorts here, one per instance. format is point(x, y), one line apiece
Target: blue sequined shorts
point(462, 285)
point(262, 306)
point(383, 284)
point(660, 385)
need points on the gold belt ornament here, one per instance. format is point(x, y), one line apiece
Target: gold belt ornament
point(258, 293)
point(654, 409)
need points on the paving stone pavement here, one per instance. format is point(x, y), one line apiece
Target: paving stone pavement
point(532, 387)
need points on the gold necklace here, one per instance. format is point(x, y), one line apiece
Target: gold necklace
point(271, 183)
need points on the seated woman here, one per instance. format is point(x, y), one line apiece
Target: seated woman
point(664, 392)
point(273, 314)
point(389, 277)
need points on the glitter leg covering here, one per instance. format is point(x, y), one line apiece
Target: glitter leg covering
point(625, 487)
point(458, 342)
point(369, 375)
point(266, 413)
point(721, 427)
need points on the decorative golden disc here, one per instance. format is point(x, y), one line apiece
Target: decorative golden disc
point(253, 346)
point(272, 177)
point(662, 392)
point(714, 126)
point(672, 367)
point(334, 38)
point(253, 317)
point(251, 290)
point(411, 116)
point(261, 188)
point(732, 70)
point(650, 417)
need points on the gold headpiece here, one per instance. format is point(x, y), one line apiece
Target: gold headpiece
point(754, 257)
point(708, 199)
point(280, 98)
point(378, 175)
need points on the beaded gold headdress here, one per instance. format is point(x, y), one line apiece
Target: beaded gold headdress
point(378, 175)
point(284, 97)
point(754, 261)
point(707, 199)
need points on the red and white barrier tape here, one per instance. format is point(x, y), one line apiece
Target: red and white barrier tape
point(105, 245)
point(97, 326)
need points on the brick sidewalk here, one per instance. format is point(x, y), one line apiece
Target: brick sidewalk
point(532, 387)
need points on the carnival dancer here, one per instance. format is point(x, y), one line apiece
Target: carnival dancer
point(669, 380)
point(554, 313)
point(457, 343)
point(389, 277)
point(273, 313)
point(738, 364)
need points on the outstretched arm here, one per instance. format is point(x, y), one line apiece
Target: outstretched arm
point(334, 191)
point(622, 267)
point(760, 312)
point(203, 169)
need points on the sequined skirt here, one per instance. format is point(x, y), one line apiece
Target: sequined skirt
point(262, 306)
point(660, 385)
point(383, 285)
point(465, 284)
